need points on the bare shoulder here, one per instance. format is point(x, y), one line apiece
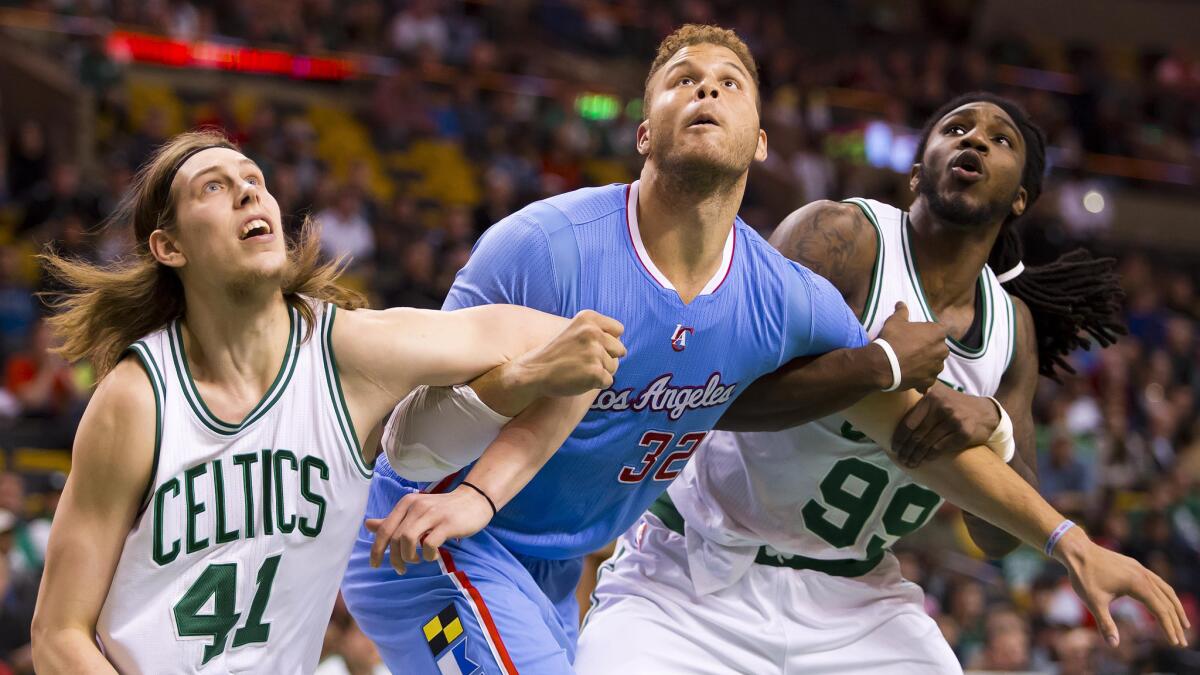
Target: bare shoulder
point(833, 239)
point(115, 442)
point(125, 394)
point(1025, 340)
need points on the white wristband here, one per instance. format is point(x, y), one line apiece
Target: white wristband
point(893, 361)
point(1001, 441)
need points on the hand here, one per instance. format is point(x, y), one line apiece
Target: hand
point(426, 521)
point(1100, 576)
point(581, 358)
point(943, 421)
point(920, 347)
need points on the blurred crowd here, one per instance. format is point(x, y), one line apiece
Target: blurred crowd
point(476, 116)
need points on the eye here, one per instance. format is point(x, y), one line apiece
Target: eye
point(686, 81)
point(212, 186)
point(253, 180)
point(1005, 140)
point(956, 129)
point(731, 84)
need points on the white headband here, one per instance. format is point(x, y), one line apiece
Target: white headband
point(1011, 274)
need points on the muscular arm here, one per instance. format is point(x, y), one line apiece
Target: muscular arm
point(1016, 393)
point(836, 241)
point(384, 355)
point(977, 480)
point(112, 457)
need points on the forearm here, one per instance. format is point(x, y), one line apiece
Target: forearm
point(68, 651)
point(506, 389)
point(975, 479)
point(809, 389)
point(993, 541)
point(525, 444)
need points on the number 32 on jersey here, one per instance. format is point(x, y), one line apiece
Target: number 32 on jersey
point(671, 465)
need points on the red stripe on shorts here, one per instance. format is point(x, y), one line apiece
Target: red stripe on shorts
point(481, 607)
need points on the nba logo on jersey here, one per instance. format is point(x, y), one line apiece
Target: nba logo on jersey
point(679, 337)
point(448, 643)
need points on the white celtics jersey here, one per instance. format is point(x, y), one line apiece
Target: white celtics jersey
point(823, 490)
point(234, 564)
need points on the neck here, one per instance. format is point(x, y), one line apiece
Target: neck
point(683, 230)
point(949, 257)
point(235, 341)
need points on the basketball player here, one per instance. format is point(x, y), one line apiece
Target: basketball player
point(710, 307)
point(770, 552)
point(218, 477)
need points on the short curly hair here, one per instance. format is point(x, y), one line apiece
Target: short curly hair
point(700, 34)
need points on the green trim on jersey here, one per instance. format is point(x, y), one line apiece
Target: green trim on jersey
point(272, 395)
point(1012, 330)
point(984, 287)
point(876, 289)
point(157, 383)
point(334, 379)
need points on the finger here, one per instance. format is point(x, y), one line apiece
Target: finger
point(901, 311)
point(613, 346)
point(1153, 597)
point(1169, 608)
point(609, 363)
point(930, 428)
point(1173, 597)
point(397, 559)
point(433, 541)
point(1104, 620)
point(938, 441)
point(608, 324)
point(372, 524)
point(410, 536)
point(902, 436)
point(385, 529)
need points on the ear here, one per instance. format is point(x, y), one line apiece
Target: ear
point(914, 177)
point(1019, 202)
point(643, 138)
point(760, 153)
point(166, 250)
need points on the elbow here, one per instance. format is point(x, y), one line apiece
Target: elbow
point(50, 643)
point(41, 644)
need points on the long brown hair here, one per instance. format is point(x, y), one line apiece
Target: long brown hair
point(108, 307)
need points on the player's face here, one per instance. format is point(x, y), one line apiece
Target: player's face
point(971, 171)
point(227, 224)
point(702, 117)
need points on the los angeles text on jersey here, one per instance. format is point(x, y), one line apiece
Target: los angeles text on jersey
point(661, 395)
point(216, 503)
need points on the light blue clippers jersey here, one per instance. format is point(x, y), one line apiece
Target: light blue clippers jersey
point(686, 363)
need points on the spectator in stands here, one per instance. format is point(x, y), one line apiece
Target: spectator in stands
point(1006, 642)
point(344, 228)
point(1064, 480)
point(17, 306)
point(18, 596)
point(41, 380)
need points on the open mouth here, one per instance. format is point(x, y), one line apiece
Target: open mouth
point(968, 166)
point(255, 227)
point(704, 120)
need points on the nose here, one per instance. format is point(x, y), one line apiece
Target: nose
point(973, 139)
point(702, 92)
point(249, 194)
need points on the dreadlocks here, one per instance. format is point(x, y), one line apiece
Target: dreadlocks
point(1076, 295)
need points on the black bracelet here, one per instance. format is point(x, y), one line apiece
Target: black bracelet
point(476, 488)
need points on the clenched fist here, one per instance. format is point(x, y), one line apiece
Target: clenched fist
point(583, 357)
point(920, 347)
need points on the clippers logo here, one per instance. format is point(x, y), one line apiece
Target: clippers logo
point(679, 337)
